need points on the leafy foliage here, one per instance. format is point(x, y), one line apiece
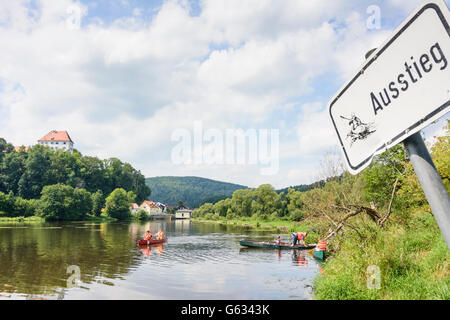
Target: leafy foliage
point(57, 185)
point(62, 202)
point(27, 173)
point(118, 205)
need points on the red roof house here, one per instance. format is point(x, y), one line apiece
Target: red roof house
point(56, 136)
point(57, 140)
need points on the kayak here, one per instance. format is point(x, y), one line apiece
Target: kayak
point(273, 245)
point(151, 242)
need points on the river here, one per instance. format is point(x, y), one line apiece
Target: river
point(85, 260)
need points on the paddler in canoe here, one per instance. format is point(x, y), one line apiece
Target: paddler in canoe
point(148, 236)
point(160, 235)
point(278, 241)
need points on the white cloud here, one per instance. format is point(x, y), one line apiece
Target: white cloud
point(315, 132)
point(121, 89)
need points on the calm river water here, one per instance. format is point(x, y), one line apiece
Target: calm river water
point(200, 261)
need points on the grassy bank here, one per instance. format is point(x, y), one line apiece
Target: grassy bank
point(35, 219)
point(412, 258)
point(32, 219)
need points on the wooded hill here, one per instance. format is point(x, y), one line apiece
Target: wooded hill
point(193, 191)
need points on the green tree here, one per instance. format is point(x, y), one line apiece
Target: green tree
point(5, 148)
point(117, 205)
point(37, 174)
point(267, 203)
point(98, 203)
point(61, 202)
point(382, 174)
point(81, 203)
point(11, 169)
point(295, 204)
point(241, 202)
point(142, 215)
point(6, 205)
point(131, 196)
point(221, 207)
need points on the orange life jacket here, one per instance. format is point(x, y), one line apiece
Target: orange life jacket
point(301, 235)
point(148, 236)
point(278, 241)
point(322, 245)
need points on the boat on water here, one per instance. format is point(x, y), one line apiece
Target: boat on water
point(274, 245)
point(319, 251)
point(151, 242)
point(318, 254)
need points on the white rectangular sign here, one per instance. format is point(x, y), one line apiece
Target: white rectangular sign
point(402, 87)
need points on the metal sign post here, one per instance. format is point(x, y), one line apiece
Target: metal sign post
point(431, 182)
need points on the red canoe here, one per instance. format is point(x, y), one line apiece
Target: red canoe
point(151, 242)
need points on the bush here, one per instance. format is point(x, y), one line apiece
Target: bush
point(142, 215)
point(98, 203)
point(61, 202)
point(117, 205)
point(25, 208)
point(412, 259)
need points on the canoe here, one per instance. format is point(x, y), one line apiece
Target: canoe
point(273, 245)
point(318, 254)
point(151, 242)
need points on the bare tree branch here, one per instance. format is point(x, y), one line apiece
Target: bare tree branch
point(388, 213)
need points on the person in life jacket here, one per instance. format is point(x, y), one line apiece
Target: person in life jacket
point(294, 238)
point(278, 241)
point(160, 235)
point(148, 236)
point(330, 229)
point(331, 232)
point(301, 237)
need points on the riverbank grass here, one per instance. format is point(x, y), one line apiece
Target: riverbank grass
point(413, 262)
point(32, 219)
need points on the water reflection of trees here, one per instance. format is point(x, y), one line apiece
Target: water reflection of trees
point(35, 260)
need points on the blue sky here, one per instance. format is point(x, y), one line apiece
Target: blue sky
point(136, 71)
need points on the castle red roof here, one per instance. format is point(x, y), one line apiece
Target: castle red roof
point(56, 136)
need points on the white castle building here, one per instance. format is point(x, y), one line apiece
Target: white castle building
point(57, 140)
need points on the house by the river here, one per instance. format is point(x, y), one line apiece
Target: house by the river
point(183, 214)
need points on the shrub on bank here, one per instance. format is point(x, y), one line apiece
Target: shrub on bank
point(118, 205)
point(142, 215)
point(413, 262)
point(61, 202)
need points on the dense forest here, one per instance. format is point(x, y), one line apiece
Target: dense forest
point(381, 218)
point(61, 185)
point(193, 191)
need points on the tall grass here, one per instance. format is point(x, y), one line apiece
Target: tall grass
point(413, 260)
